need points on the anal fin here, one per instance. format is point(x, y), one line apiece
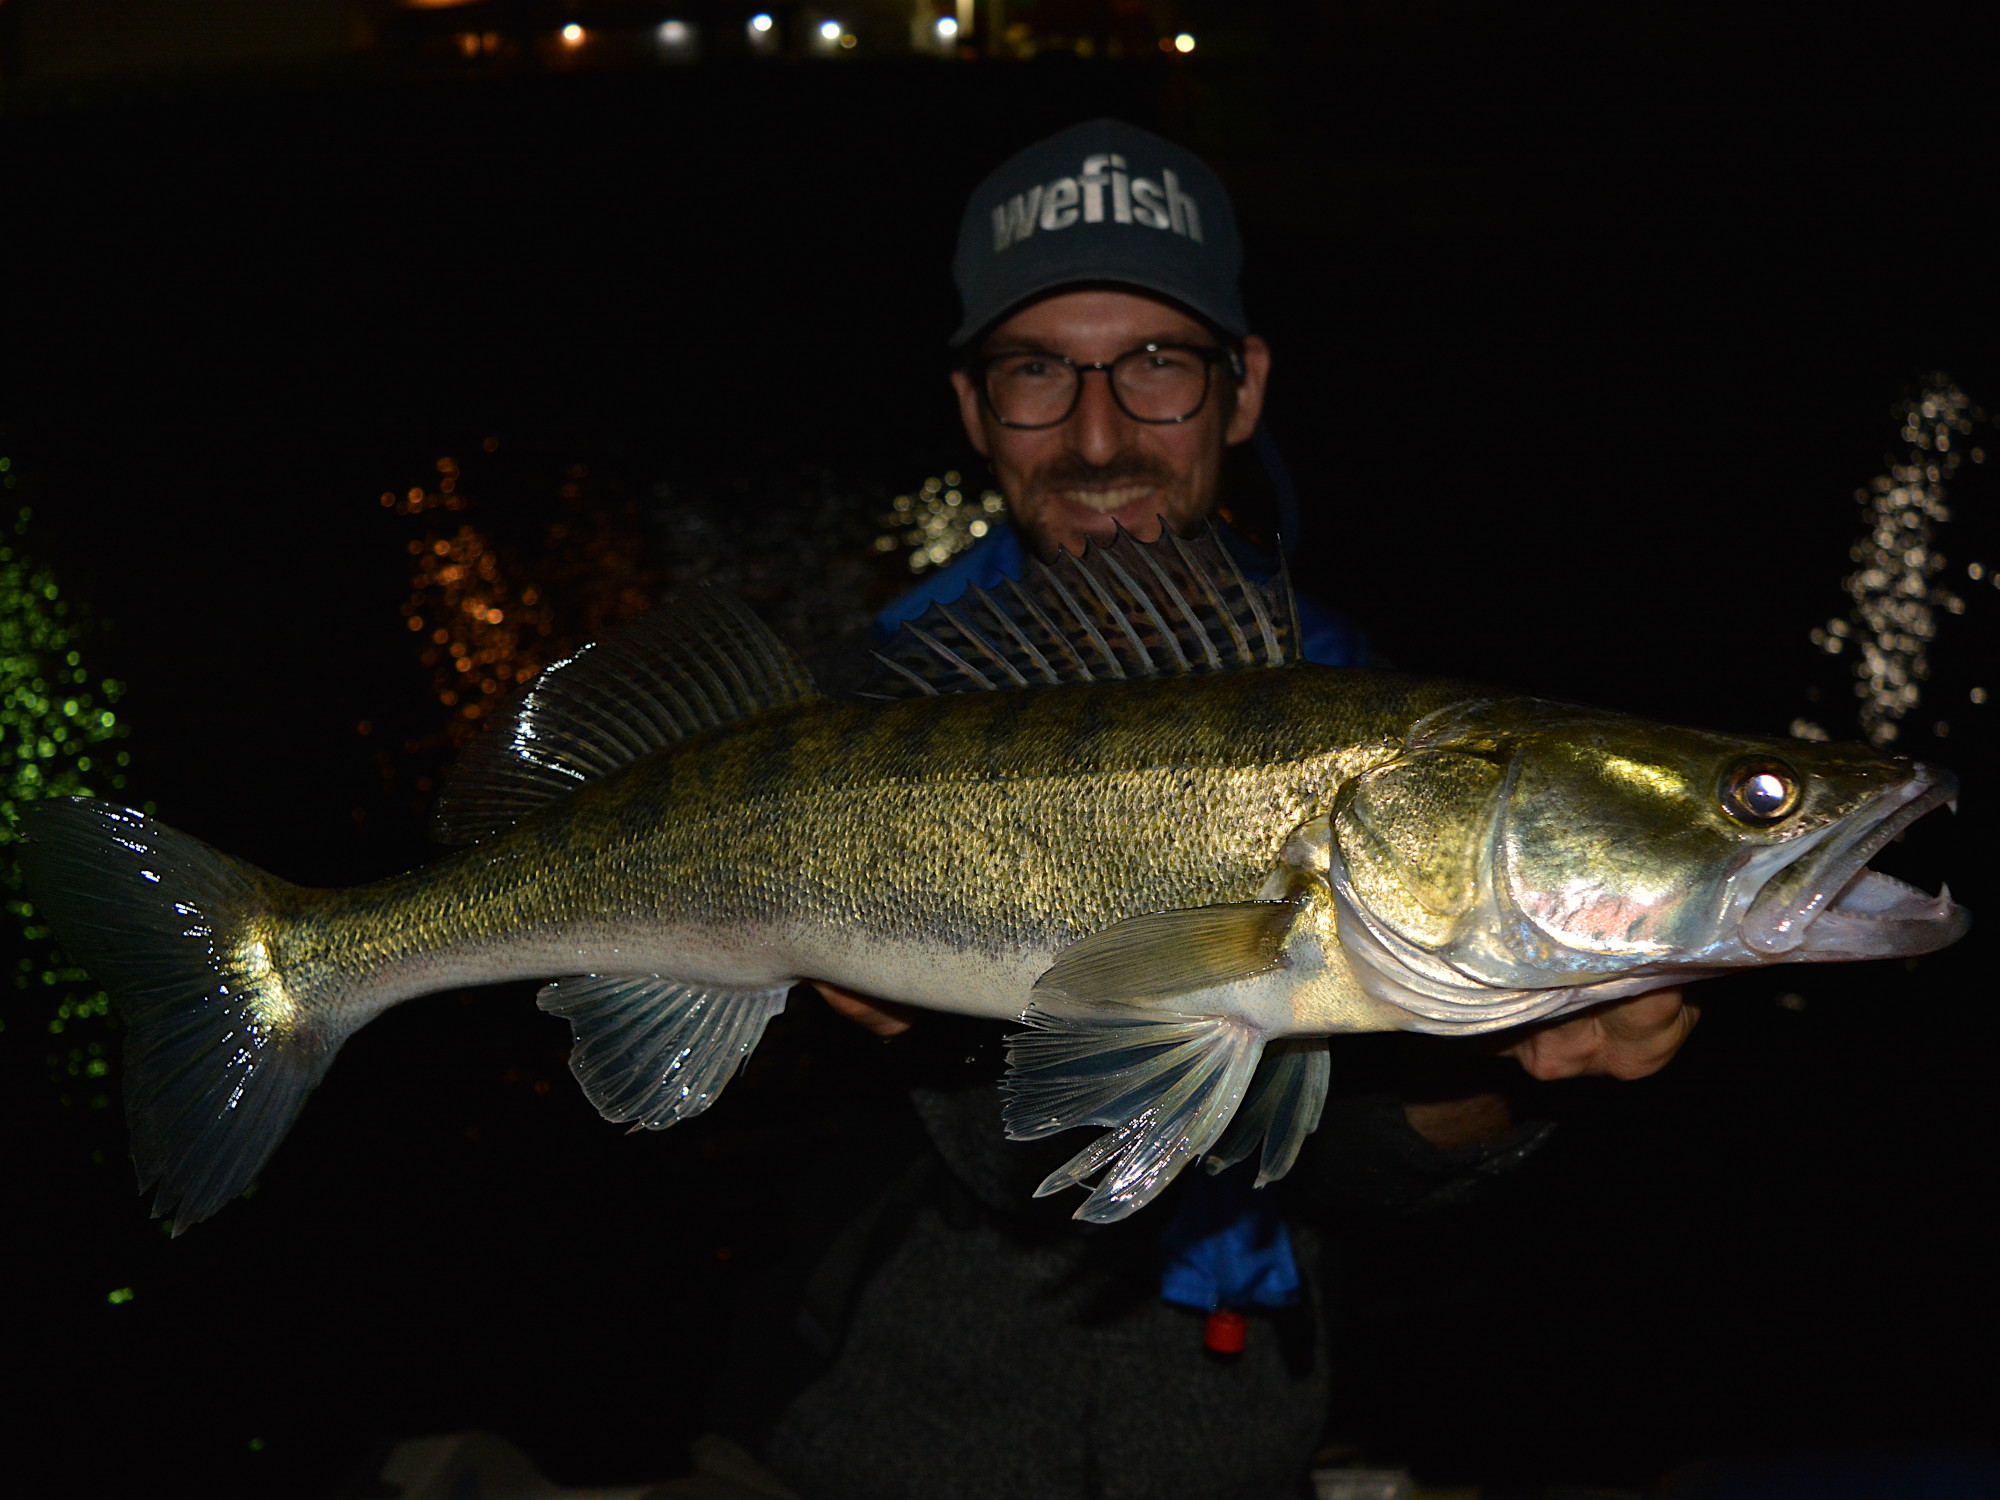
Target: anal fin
point(1167, 1084)
point(651, 1052)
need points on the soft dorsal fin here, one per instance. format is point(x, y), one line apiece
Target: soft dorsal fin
point(1126, 609)
point(689, 666)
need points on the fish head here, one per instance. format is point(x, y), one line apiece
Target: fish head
point(1519, 858)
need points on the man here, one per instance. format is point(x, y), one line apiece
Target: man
point(1073, 264)
point(961, 1338)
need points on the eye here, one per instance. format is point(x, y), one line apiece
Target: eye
point(1022, 367)
point(1761, 791)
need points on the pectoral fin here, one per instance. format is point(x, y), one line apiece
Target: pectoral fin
point(1156, 1025)
point(1171, 953)
point(651, 1052)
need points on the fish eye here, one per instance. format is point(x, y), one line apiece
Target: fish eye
point(1761, 791)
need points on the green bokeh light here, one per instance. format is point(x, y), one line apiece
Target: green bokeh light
point(57, 723)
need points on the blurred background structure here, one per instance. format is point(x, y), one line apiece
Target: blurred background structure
point(1613, 350)
point(69, 42)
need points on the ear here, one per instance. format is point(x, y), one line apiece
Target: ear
point(1249, 390)
point(971, 411)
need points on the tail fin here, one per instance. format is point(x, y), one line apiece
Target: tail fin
point(221, 1053)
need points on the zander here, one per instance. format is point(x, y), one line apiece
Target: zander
point(1108, 803)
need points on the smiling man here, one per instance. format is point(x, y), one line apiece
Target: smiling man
point(958, 1336)
point(1103, 358)
point(1079, 456)
point(1103, 364)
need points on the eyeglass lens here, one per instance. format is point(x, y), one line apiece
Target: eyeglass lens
point(1152, 385)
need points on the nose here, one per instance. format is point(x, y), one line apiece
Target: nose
point(1097, 426)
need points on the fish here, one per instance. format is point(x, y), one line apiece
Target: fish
point(1110, 803)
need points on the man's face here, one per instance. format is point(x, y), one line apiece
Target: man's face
point(1099, 468)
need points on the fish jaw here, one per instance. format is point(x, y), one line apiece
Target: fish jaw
point(1828, 905)
point(1813, 901)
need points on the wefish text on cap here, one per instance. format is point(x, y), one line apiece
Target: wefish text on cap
point(1057, 205)
point(1099, 202)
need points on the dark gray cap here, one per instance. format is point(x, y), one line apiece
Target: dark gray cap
point(1101, 201)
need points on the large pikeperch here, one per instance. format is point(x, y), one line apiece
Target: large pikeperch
point(1108, 803)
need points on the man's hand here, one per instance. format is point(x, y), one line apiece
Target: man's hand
point(1621, 1039)
point(884, 1018)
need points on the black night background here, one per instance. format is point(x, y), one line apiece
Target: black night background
point(1589, 322)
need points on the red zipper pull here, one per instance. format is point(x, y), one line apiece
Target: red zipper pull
point(1225, 1332)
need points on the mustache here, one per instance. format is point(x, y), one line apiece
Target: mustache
point(1071, 471)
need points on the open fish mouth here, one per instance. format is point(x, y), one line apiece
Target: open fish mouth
point(1829, 904)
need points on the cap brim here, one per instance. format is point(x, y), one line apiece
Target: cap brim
point(1099, 272)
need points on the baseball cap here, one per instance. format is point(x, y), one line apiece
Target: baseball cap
point(1101, 201)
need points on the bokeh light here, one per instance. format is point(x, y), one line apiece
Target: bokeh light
point(1898, 596)
point(939, 521)
point(486, 621)
point(59, 737)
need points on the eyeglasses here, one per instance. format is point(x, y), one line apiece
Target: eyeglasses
point(1157, 383)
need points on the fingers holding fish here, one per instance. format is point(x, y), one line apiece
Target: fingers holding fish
point(1624, 1039)
point(883, 1018)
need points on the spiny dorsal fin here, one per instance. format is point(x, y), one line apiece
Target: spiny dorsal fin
point(1128, 609)
point(690, 666)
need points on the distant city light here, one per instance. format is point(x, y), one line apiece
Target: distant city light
point(676, 40)
point(830, 30)
point(947, 27)
point(572, 35)
point(761, 21)
point(1184, 42)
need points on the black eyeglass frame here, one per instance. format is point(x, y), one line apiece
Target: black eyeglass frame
point(1208, 354)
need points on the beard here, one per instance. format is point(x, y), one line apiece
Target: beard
point(1069, 474)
